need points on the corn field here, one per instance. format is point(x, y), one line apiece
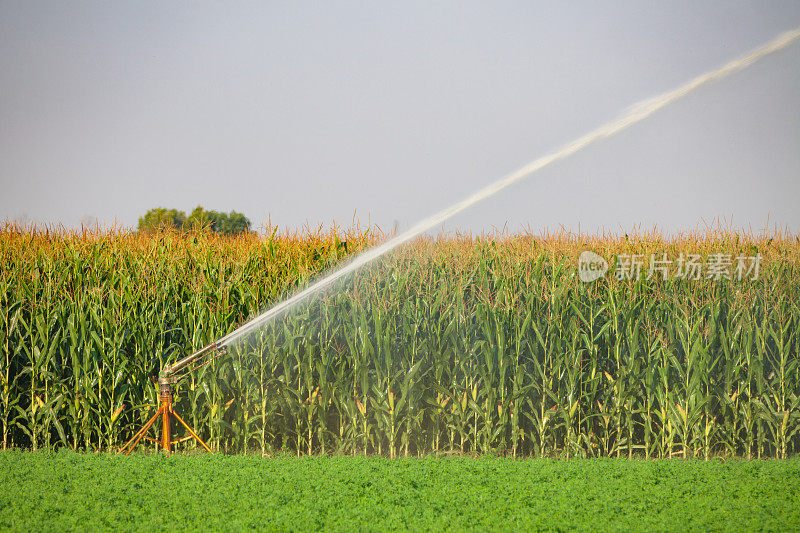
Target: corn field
point(453, 345)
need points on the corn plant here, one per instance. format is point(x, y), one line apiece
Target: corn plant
point(450, 345)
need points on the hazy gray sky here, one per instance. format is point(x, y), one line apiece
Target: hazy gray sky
point(309, 112)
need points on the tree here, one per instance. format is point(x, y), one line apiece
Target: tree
point(200, 219)
point(162, 218)
point(235, 223)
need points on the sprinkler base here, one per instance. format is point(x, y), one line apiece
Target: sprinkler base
point(166, 412)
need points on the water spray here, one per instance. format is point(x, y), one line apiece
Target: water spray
point(172, 374)
point(631, 116)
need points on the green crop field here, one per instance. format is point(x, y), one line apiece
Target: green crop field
point(79, 491)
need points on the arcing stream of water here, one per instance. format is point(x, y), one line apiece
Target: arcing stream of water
point(630, 117)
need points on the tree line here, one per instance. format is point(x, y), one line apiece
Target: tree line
point(199, 219)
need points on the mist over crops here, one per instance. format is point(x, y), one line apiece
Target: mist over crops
point(450, 345)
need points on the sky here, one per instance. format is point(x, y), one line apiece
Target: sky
point(314, 113)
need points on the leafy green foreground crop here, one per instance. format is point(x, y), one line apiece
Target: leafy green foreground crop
point(67, 490)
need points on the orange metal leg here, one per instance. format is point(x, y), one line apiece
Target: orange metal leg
point(192, 433)
point(139, 434)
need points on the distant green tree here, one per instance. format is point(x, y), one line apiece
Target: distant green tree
point(231, 223)
point(199, 219)
point(235, 223)
point(162, 218)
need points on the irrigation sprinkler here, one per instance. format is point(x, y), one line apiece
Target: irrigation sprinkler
point(170, 376)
